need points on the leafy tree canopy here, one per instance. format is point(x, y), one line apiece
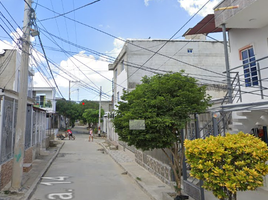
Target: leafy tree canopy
point(73, 110)
point(92, 115)
point(165, 103)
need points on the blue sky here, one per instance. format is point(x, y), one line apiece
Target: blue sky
point(95, 26)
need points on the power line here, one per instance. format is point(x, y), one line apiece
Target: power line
point(48, 64)
point(66, 27)
point(133, 65)
point(116, 37)
point(75, 31)
point(7, 61)
point(85, 86)
point(127, 42)
point(153, 70)
point(11, 37)
point(60, 15)
point(40, 69)
point(72, 76)
point(79, 62)
point(10, 15)
point(55, 19)
point(82, 63)
point(9, 24)
point(169, 39)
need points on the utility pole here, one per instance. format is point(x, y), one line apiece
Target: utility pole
point(229, 85)
point(70, 88)
point(22, 101)
point(99, 114)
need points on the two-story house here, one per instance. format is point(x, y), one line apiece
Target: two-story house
point(10, 61)
point(246, 23)
point(45, 98)
point(198, 57)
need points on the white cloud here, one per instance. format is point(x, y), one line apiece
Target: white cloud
point(93, 71)
point(146, 2)
point(192, 6)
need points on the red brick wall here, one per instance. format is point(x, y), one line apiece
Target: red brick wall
point(28, 155)
point(6, 173)
point(6, 168)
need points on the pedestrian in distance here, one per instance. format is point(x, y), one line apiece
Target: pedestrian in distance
point(69, 131)
point(90, 135)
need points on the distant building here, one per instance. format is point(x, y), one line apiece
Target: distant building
point(45, 98)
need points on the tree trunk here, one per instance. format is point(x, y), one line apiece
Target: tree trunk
point(175, 167)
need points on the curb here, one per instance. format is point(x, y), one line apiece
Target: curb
point(32, 189)
point(140, 184)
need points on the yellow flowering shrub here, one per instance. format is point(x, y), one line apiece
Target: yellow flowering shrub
point(227, 164)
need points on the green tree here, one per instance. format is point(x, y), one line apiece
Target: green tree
point(67, 109)
point(228, 164)
point(92, 116)
point(73, 110)
point(165, 103)
point(83, 106)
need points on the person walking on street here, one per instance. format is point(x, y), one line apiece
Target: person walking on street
point(90, 134)
point(69, 131)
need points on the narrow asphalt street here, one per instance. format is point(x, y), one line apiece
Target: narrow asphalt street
point(83, 171)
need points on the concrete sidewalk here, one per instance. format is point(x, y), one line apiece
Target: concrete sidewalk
point(30, 180)
point(154, 187)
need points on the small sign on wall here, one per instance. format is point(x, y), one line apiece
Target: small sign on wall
point(137, 124)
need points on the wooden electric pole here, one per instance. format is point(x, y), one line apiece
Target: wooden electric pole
point(22, 100)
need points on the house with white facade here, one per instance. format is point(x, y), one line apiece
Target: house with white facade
point(246, 23)
point(45, 98)
point(195, 55)
point(198, 57)
point(35, 134)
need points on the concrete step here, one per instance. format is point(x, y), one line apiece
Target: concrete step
point(27, 167)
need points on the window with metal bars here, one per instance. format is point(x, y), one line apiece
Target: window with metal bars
point(250, 67)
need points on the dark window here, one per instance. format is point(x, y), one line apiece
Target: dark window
point(250, 67)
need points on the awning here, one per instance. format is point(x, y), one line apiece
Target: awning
point(205, 26)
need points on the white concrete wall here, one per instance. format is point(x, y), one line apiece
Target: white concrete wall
point(120, 83)
point(206, 54)
point(240, 38)
point(9, 63)
point(50, 95)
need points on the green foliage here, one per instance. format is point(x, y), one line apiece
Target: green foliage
point(73, 110)
point(165, 102)
point(228, 164)
point(92, 115)
point(67, 109)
